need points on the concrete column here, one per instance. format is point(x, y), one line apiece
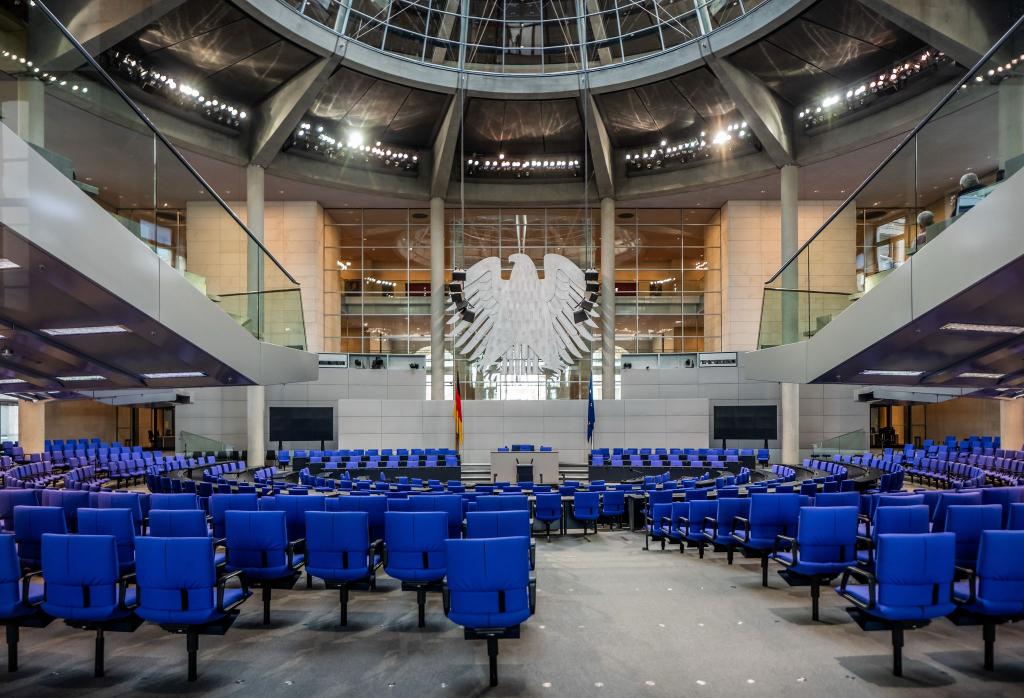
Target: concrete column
point(790, 395)
point(790, 392)
point(607, 300)
point(437, 299)
point(1011, 423)
point(25, 113)
point(256, 440)
point(255, 395)
point(1011, 119)
point(31, 425)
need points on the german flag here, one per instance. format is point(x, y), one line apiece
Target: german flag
point(457, 414)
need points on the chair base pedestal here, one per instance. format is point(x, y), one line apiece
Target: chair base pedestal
point(13, 632)
point(869, 623)
point(988, 625)
point(492, 635)
point(421, 589)
point(192, 633)
point(128, 624)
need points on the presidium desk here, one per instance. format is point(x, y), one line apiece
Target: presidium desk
point(533, 466)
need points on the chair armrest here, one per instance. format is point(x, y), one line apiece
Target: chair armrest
point(532, 588)
point(666, 520)
point(862, 576)
point(220, 542)
point(446, 599)
point(222, 584)
point(26, 582)
point(714, 523)
point(684, 523)
point(384, 554)
point(972, 579)
point(122, 590)
point(789, 542)
point(293, 546)
point(745, 523)
point(533, 555)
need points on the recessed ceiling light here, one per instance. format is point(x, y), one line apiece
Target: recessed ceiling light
point(175, 374)
point(72, 379)
point(976, 374)
point(9, 381)
point(99, 329)
point(971, 327)
point(8, 264)
point(877, 372)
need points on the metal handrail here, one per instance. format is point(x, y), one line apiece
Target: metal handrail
point(902, 144)
point(156, 132)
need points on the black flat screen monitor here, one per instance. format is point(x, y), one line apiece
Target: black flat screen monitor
point(301, 424)
point(757, 422)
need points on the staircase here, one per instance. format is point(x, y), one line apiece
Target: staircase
point(476, 473)
point(574, 471)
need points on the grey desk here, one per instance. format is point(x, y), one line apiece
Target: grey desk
point(545, 465)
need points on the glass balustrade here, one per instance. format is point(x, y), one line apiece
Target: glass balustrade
point(972, 140)
point(56, 97)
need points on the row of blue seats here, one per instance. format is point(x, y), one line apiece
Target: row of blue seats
point(817, 540)
point(286, 457)
point(528, 448)
point(177, 579)
point(661, 461)
point(760, 453)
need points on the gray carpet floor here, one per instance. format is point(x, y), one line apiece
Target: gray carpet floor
point(611, 620)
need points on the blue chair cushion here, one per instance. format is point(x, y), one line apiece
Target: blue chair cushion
point(488, 579)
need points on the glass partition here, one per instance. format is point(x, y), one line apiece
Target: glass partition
point(57, 98)
point(959, 153)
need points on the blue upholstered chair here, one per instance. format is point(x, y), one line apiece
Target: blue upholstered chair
point(68, 500)
point(10, 498)
point(891, 519)
point(84, 586)
point(1015, 519)
point(718, 528)
point(450, 504)
point(414, 552)
point(489, 591)
point(30, 524)
point(173, 501)
point(548, 509)
point(912, 584)
point(770, 516)
point(220, 504)
point(258, 546)
point(340, 552)
point(20, 598)
point(501, 524)
point(693, 523)
point(657, 524)
point(967, 522)
point(837, 499)
point(948, 499)
point(586, 508)
point(112, 522)
point(613, 506)
point(993, 592)
point(374, 506)
point(512, 502)
point(179, 588)
point(825, 544)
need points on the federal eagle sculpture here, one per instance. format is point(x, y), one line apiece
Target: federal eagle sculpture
point(523, 324)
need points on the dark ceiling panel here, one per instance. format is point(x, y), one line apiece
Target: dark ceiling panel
point(856, 20)
point(705, 93)
point(263, 72)
point(190, 19)
point(788, 75)
point(217, 49)
point(387, 112)
point(626, 118)
point(523, 127)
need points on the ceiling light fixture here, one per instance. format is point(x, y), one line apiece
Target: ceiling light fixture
point(175, 374)
point(972, 327)
point(880, 372)
point(10, 381)
point(977, 374)
point(74, 379)
point(99, 329)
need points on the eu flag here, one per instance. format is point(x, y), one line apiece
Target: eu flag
point(591, 416)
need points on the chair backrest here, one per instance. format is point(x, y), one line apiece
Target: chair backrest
point(951, 499)
point(827, 534)
point(1000, 574)
point(497, 524)
point(913, 519)
point(414, 544)
point(895, 500)
point(728, 509)
point(613, 500)
point(177, 523)
point(73, 564)
point(173, 501)
point(660, 497)
point(336, 541)
point(837, 499)
point(295, 508)
point(256, 539)
point(915, 570)
point(1004, 496)
point(176, 577)
point(375, 507)
point(30, 524)
point(1015, 520)
point(10, 498)
point(774, 514)
point(488, 582)
point(586, 503)
point(967, 522)
point(699, 510)
point(547, 506)
point(512, 502)
point(10, 577)
point(111, 522)
point(222, 503)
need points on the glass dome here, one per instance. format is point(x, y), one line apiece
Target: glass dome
point(523, 36)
